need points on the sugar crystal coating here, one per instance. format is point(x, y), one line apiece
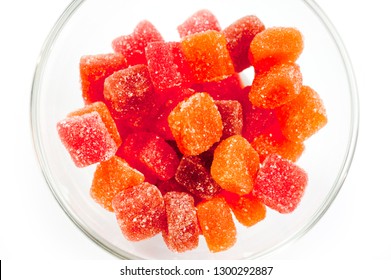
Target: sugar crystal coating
point(217, 224)
point(303, 116)
point(196, 124)
point(280, 184)
point(279, 85)
point(86, 138)
point(182, 231)
point(200, 21)
point(94, 69)
point(111, 177)
point(140, 211)
point(275, 45)
point(235, 165)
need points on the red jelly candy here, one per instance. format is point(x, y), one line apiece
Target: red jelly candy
point(150, 154)
point(196, 124)
point(279, 85)
point(94, 69)
point(229, 88)
point(248, 210)
point(140, 211)
point(170, 185)
point(182, 231)
point(235, 165)
point(208, 57)
point(239, 36)
point(216, 224)
point(200, 21)
point(167, 66)
point(195, 178)
point(280, 184)
point(104, 113)
point(132, 46)
point(275, 45)
point(87, 139)
point(130, 93)
point(303, 116)
point(231, 116)
point(111, 177)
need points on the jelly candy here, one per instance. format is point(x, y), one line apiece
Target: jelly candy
point(231, 116)
point(202, 20)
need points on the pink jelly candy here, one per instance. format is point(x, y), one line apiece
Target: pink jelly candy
point(200, 21)
point(280, 184)
point(87, 139)
point(140, 211)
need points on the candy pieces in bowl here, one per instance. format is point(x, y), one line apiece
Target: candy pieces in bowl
point(191, 137)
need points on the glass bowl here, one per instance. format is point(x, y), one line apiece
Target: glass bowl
point(88, 27)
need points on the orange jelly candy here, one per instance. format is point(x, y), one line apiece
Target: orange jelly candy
point(276, 87)
point(303, 116)
point(196, 124)
point(217, 225)
point(208, 56)
point(111, 177)
point(235, 165)
point(275, 45)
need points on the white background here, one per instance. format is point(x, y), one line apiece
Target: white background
point(357, 225)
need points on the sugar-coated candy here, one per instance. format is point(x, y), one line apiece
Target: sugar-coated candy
point(196, 124)
point(235, 165)
point(248, 210)
point(266, 144)
point(208, 56)
point(94, 69)
point(231, 116)
point(195, 178)
point(239, 35)
point(111, 177)
point(167, 66)
point(132, 46)
point(303, 116)
point(280, 184)
point(104, 113)
point(182, 231)
point(86, 138)
point(279, 85)
point(275, 45)
point(170, 185)
point(217, 224)
point(202, 20)
point(150, 154)
point(140, 211)
point(130, 93)
point(229, 88)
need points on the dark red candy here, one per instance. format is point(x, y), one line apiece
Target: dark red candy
point(231, 116)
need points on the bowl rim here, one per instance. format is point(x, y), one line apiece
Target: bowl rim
point(338, 182)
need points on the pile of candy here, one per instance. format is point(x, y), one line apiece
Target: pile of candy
point(182, 147)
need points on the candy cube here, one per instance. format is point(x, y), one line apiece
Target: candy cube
point(150, 154)
point(111, 177)
point(229, 88)
point(195, 178)
point(279, 85)
point(200, 21)
point(182, 231)
point(217, 224)
point(303, 116)
point(275, 45)
point(104, 113)
point(208, 57)
point(130, 93)
point(167, 67)
point(231, 116)
point(196, 124)
point(140, 211)
point(87, 139)
point(94, 69)
point(132, 46)
point(280, 184)
point(235, 165)
point(247, 209)
point(239, 36)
